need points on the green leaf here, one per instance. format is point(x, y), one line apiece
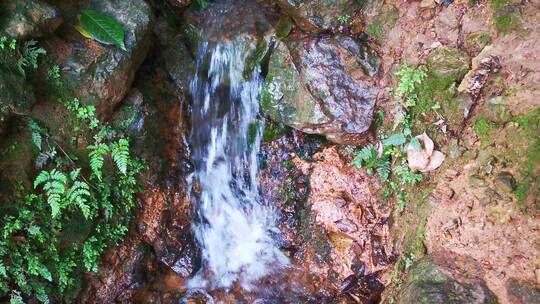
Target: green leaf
point(394, 140)
point(45, 273)
point(283, 27)
point(368, 155)
point(102, 28)
point(3, 270)
point(120, 155)
point(415, 144)
point(36, 139)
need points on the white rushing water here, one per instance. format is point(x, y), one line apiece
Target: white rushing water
point(234, 226)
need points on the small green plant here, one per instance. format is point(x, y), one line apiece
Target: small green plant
point(29, 56)
point(408, 80)
point(484, 129)
point(388, 159)
point(95, 190)
point(343, 19)
point(376, 30)
point(409, 260)
point(53, 73)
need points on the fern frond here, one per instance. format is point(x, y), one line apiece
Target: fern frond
point(41, 178)
point(78, 194)
point(74, 174)
point(367, 155)
point(120, 154)
point(55, 186)
point(54, 200)
point(97, 154)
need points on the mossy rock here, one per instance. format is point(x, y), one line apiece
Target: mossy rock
point(383, 22)
point(507, 18)
point(477, 41)
point(16, 96)
point(428, 283)
point(310, 88)
point(448, 62)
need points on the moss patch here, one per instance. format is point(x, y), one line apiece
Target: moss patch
point(376, 30)
point(485, 129)
point(527, 192)
point(506, 17)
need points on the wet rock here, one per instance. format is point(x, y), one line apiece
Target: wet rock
point(505, 182)
point(23, 19)
point(245, 21)
point(522, 292)
point(122, 276)
point(427, 282)
point(153, 114)
point(448, 62)
point(341, 202)
point(318, 15)
point(100, 74)
point(16, 97)
point(179, 64)
point(322, 85)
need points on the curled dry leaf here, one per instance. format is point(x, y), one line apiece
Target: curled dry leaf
point(425, 159)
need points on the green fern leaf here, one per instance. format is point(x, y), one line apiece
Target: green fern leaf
point(97, 154)
point(367, 155)
point(54, 201)
point(41, 178)
point(78, 195)
point(74, 174)
point(120, 155)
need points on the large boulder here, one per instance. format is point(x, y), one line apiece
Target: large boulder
point(16, 96)
point(100, 74)
point(430, 283)
point(318, 15)
point(23, 19)
point(322, 85)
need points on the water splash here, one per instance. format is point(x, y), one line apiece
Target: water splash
point(234, 226)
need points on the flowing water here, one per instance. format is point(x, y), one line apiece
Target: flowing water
point(234, 226)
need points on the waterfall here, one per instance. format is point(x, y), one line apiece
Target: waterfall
point(233, 226)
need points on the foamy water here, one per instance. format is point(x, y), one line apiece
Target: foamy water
point(233, 226)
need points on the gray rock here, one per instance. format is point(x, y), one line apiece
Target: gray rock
point(23, 19)
point(505, 182)
point(322, 85)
